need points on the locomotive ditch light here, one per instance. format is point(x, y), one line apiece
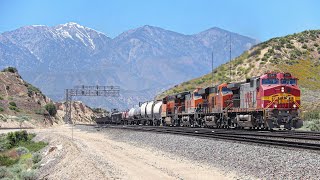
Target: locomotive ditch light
point(294, 106)
point(275, 106)
point(282, 89)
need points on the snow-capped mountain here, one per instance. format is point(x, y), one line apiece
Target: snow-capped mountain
point(142, 61)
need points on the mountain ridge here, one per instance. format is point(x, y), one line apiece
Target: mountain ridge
point(58, 57)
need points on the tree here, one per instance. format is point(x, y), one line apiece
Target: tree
point(51, 108)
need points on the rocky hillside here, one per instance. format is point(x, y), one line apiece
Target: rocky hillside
point(298, 54)
point(22, 104)
point(141, 61)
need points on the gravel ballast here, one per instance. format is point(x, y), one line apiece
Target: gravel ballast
point(247, 160)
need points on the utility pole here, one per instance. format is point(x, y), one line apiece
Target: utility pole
point(212, 68)
point(230, 56)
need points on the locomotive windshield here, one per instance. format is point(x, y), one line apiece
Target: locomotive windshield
point(226, 90)
point(288, 81)
point(270, 81)
point(196, 94)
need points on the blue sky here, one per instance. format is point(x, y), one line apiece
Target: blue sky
point(261, 19)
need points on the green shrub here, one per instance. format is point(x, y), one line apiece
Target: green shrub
point(289, 46)
point(33, 146)
point(314, 125)
point(32, 90)
point(1, 98)
point(15, 137)
point(13, 104)
point(22, 150)
point(10, 69)
point(28, 175)
point(7, 161)
point(255, 52)
point(16, 169)
point(13, 108)
point(40, 111)
point(1, 109)
point(51, 108)
point(304, 46)
point(271, 51)
point(3, 172)
point(311, 115)
point(36, 157)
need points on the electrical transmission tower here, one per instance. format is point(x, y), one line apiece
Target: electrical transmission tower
point(107, 91)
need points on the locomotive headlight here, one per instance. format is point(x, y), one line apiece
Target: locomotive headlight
point(294, 106)
point(282, 89)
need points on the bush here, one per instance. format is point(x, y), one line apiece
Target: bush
point(28, 175)
point(51, 108)
point(10, 69)
point(22, 150)
point(13, 104)
point(304, 46)
point(33, 146)
point(3, 172)
point(1, 109)
point(289, 46)
point(15, 137)
point(13, 108)
point(32, 90)
point(7, 161)
point(40, 111)
point(314, 125)
point(36, 157)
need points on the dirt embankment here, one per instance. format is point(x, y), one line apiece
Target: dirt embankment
point(95, 156)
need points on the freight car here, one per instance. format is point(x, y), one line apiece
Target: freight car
point(268, 101)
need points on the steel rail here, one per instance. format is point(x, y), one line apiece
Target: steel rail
point(226, 136)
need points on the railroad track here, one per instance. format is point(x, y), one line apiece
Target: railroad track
point(257, 137)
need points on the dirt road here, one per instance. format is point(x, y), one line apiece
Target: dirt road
point(95, 156)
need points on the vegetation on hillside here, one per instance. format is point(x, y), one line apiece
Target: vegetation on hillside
point(19, 155)
point(298, 54)
point(10, 69)
point(51, 108)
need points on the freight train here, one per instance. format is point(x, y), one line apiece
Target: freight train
point(269, 101)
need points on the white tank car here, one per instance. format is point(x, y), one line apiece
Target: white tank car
point(131, 113)
point(143, 110)
point(137, 112)
point(149, 110)
point(157, 110)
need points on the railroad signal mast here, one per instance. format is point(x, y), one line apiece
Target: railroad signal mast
point(107, 91)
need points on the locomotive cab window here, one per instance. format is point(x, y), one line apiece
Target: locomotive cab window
point(226, 90)
point(270, 81)
point(289, 81)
